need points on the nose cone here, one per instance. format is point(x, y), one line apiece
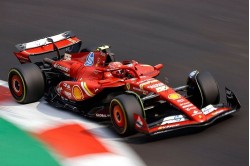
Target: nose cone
point(199, 116)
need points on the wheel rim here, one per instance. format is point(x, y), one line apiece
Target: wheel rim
point(17, 85)
point(118, 116)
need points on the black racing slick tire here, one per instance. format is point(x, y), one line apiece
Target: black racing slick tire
point(122, 109)
point(26, 83)
point(203, 89)
point(209, 88)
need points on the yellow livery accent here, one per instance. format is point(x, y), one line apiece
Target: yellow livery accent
point(86, 89)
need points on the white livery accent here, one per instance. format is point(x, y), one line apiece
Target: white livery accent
point(44, 41)
point(208, 109)
point(162, 88)
point(173, 119)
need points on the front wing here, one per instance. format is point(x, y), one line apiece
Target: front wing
point(176, 122)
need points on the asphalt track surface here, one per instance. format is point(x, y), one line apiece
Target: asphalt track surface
point(185, 35)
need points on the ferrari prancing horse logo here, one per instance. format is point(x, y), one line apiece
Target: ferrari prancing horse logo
point(128, 86)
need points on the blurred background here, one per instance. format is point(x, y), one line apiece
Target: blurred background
point(207, 35)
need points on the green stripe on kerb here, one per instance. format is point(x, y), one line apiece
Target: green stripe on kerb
point(17, 148)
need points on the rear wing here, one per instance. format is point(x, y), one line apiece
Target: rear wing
point(64, 40)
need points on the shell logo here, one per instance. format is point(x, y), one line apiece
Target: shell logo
point(77, 92)
point(174, 96)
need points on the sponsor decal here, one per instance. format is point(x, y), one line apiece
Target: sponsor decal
point(174, 96)
point(39, 43)
point(182, 104)
point(162, 88)
point(196, 112)
point(139, 122)
point(42, 42)
point(178, 118)
point(188, 106)
point(77, 92)
point(102, 115)
point(168, 126)
point(143, 81)
point(65, 69)
point(68, 94)
point(67, 86)
point(90, 59)
point(156, 85)
point(208, 109)
point(173, 119)
point(71, 40)
point(180, 100)
point(147, 82)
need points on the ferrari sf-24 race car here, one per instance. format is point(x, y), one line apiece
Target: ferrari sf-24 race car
point(127, 93)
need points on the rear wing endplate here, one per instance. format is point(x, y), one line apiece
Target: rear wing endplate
point(63, 40)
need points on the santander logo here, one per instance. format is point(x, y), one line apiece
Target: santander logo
point(90, 59)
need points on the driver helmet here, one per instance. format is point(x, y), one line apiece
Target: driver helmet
point(117, 73)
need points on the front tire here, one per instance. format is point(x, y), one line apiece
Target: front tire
point(26, 83)
point(203, 89)
point(122, 109)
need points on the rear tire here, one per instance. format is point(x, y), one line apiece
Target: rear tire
point(26, 83)
point(122, 109)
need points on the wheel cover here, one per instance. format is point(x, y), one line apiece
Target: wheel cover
point(17, 85)
point(118, 116)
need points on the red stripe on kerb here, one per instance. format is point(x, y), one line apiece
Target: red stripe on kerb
point(5, 94)
point(72, 141)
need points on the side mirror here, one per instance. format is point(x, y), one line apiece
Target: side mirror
point(158, 67)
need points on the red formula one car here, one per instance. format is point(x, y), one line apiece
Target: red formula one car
point(93, 83)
